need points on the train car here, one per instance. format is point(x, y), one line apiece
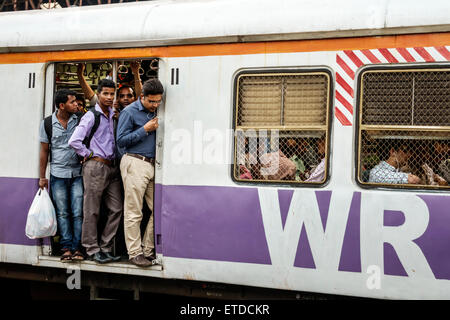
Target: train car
point(277, 115)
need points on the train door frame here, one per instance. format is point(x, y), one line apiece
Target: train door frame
point(49, 108)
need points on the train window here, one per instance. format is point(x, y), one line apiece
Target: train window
point(404, 127)
point(282, 122)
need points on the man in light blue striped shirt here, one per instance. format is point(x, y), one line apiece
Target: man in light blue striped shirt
point(66, 181)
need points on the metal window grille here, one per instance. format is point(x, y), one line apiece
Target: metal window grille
point(404, 128)
point(281, 127)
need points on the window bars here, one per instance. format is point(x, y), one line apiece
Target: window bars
point(281, 122)
point(404, 128)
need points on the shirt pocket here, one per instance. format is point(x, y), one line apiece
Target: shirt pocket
point(58, 141)
point(56, 149)
point(62, 153)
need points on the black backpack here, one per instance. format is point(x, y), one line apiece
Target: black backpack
point(87, 140)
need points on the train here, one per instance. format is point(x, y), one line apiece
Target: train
point(250, 85)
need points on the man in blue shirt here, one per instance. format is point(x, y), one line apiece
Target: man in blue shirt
point(136, 135)
point(65, 173)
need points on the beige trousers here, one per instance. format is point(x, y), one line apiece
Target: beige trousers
point(137, 177)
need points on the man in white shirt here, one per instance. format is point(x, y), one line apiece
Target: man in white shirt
point(388, 171)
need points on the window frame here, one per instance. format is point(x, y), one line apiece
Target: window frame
point(283, 71)
point(359, 127)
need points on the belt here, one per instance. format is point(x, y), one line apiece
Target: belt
point(138, 156)
point(107, 162)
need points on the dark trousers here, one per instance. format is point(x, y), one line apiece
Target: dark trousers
point(101, 182)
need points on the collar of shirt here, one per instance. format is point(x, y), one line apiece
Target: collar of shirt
point(141, 107)
point(102, 143)
point(139, 104)
point(56, 121)
point(111, 113)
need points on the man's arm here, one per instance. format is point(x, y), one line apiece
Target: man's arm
point(413, 179)
point(378, 175)
point(85, 87)
point(81, 131)
point(43, 156)
point(135, 66)
point(318, 173)
point(43, 160)
point(126, 137)
point(399, 178)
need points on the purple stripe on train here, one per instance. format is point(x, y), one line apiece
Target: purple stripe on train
point(17, 194)
point(225, 224)
point(214, 223)
point(15, 200)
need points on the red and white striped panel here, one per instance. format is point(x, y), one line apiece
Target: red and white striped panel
point(348, 61)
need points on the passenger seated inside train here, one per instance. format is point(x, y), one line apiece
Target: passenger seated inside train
point(389, 171)
point(297, 159)
point(270, 165)
point(442, 151)
point(247, 163)
point(302, 153)
point(318, 172)
point(276, 166)
point(426, 165)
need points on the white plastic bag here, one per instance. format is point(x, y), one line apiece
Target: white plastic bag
point(41, 221)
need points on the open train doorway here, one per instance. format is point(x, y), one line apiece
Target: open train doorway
point(83, 78)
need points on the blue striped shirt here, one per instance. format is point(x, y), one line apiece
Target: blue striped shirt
point(64, 161)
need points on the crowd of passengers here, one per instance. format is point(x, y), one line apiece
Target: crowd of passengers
point(304, 161)
point(102, 158)
point(397, 169)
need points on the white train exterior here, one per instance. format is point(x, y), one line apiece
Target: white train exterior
point(335, 239)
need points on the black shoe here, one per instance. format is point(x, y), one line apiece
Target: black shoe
point(99, 257)
point(113, 258)
point(150, 257)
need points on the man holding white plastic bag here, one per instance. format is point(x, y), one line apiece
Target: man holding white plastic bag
point(66, 182)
